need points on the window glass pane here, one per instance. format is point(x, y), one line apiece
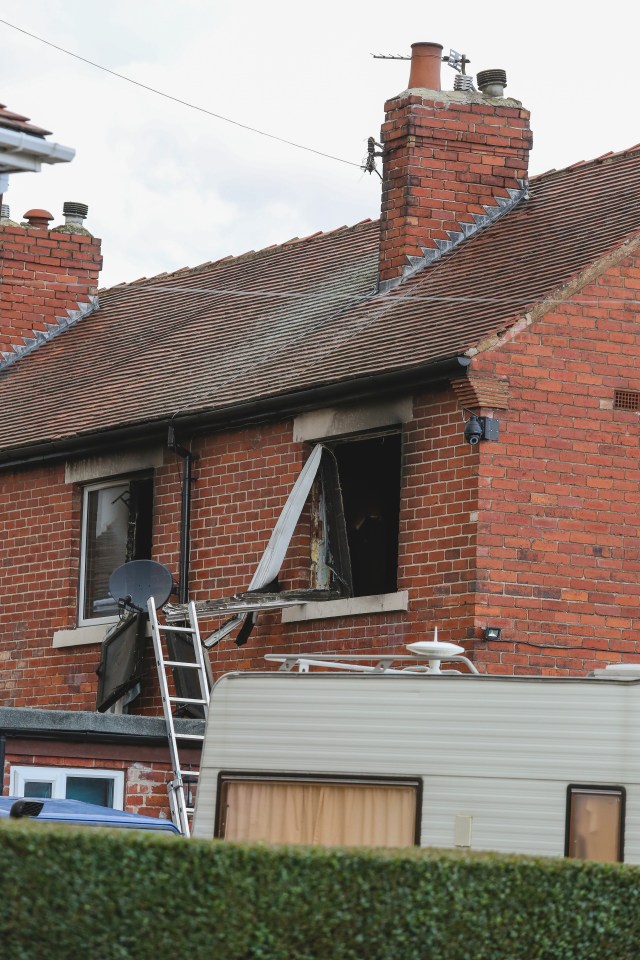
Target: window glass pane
point(91, 790)
point(107, 523)
point(38, 788)
point(328, 814)
point(594, 825)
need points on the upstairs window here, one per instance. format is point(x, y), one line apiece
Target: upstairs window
point(116, 528)
point(363, 500)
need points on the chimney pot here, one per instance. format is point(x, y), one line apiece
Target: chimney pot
point(425, 65)
point(38, 218)
point(492, 82)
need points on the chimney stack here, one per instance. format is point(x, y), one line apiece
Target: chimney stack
point(49, 279)
point(453, 162)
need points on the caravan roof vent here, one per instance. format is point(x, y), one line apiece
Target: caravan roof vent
point(435, 650)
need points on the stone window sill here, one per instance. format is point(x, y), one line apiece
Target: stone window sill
point(79, 636)
point(351, 607)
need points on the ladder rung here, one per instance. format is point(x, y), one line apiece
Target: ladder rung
point(202, 703)
point(189, 736)
point(179, 663)
point(162, 626)
point(188, 776)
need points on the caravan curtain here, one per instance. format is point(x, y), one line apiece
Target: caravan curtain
point(327, 814)
point(594, 825)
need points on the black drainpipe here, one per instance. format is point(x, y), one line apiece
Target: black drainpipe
point(185, 512)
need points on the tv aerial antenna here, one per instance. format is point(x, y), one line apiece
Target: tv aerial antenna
point(457, 61)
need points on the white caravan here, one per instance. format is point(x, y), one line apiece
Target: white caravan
point(387, 752)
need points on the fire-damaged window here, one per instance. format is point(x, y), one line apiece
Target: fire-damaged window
point(364, 486)
point(116, 527)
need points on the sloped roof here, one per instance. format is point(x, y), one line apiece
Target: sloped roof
point(15, 121)
point(304, 315)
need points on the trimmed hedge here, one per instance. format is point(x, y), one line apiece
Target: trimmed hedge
point(74, 893)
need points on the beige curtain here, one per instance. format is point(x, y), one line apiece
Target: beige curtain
point(594, 828)
point(328, 814)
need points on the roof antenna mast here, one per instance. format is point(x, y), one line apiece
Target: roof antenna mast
point(457, 61)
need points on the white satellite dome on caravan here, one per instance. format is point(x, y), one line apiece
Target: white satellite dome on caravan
point(394, 751)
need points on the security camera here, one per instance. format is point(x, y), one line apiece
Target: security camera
point(480, 428)
point(473, 431)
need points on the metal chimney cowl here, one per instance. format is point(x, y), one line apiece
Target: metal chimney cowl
point(492, 83)
point(74, 214)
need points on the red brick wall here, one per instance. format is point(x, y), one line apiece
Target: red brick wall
point(38, 556)
point(242, 480)
point(536, 533)
point(559, 535)
point(43, 273)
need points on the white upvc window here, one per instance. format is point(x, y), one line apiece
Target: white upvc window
point(116, 527)
point(104, 787)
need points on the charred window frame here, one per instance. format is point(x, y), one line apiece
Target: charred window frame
point(361, 484)
point(116, 527)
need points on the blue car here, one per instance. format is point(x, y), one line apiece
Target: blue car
point(78, 813)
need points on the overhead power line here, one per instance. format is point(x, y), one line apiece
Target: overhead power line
point(184, 103)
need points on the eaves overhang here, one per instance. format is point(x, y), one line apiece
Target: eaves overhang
point(236, 415)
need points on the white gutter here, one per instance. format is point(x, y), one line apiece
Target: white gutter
point(22, 151)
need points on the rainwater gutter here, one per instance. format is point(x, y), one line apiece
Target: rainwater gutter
point(23, 152)
point(244, 414)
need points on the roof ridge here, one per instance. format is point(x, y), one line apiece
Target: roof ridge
point(607, 157)
point(241, 257)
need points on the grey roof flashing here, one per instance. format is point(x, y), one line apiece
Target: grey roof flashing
point(83, 725)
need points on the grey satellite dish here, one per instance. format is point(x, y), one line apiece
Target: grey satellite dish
point(133, 583)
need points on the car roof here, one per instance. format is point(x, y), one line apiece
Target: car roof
point(90, 814)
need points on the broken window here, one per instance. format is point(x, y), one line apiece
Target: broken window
point(367, 474)
point(116, 527)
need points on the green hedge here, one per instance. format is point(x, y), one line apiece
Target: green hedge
point(85, 893)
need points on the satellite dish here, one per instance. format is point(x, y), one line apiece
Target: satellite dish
point(134, 582)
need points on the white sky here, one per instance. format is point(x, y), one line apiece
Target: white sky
point(169, 187)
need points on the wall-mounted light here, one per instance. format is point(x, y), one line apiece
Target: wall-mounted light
point(480, 428)
point(492, 633)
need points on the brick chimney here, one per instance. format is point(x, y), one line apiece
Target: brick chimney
point(453, 162)
point(48, 279)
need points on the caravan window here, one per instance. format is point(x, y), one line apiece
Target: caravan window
point(595, 820)
point(327, 812)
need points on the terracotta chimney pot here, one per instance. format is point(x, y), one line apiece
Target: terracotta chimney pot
point(39, 218)
point(425, 65)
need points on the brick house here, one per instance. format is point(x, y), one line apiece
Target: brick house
point(478, 294)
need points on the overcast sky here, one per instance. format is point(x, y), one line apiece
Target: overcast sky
point(168, 186)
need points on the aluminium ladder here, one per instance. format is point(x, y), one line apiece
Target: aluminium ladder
point(181, 808)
